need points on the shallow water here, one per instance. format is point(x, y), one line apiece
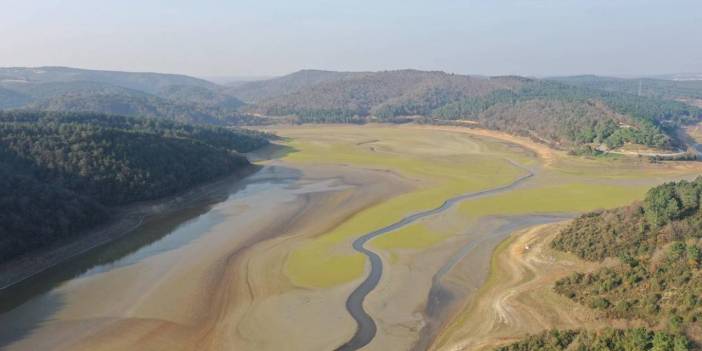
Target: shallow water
point(161, 241)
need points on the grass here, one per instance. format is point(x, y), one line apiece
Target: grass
point(415, 236)
point(444, 164)
point(570, 197)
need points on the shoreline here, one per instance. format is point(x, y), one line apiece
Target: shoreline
point(123, 221)
point(516, 298)
point(366, 327)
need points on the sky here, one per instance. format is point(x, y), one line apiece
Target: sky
point(249, 38)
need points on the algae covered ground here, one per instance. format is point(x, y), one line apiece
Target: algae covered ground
point(440, 164)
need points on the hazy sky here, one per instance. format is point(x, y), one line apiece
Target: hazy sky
point(254, 38)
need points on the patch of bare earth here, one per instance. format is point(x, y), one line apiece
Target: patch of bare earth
point(518, 298)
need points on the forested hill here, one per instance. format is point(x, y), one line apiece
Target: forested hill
point(578, 113)
point(657, 243)
point(688, 91)
point(146, 81)
point(252, 92)
point(58, 172)
point(153, 95)
point(654, 281)
point(559, 114)
point(382, 94)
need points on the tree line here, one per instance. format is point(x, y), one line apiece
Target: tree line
point(60, 171)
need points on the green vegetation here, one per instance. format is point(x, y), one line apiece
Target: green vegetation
point(415, 236)
point(564, 115)
point(662, 290)
point(561, 115)
point(441, 164)
point(59, 170)
point(567, 115)
point(659, 277)
point(385, 94)
point(637, 339)
point(669, 212)
point(252, 92)
point(161, 96)
point(578, 196)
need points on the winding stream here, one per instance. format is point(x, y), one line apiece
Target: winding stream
point(366, 328)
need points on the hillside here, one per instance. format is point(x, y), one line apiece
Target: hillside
point(689, 91)
point(131, 105)
point(639, 339)
point(582, 114)
point(562, 115)
point(657, 242)
point(152, 95)
point(61, 171)
point(252, 92)
point(652, 276)
point(388, 94)
point(148, 82)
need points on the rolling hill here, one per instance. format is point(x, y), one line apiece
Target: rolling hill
point(562, 115)
point(152, 95)
point(147, 82)
point(688, 91)
point(585, 113)
point(252, 92)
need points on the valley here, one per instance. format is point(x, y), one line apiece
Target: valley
point(275, 262)
point(351, 176)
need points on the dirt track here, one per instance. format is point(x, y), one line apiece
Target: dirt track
point(517, 298)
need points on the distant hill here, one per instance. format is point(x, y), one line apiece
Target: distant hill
point(252, 92)
point(680, 76)
point(563, 115)
point(127, 105)
point(147, 82)
point(384, 94)
point(200, 96)
point(685, 90)
point(152, 95)
point(58, 171)
point(584, 113)
point(12, 99)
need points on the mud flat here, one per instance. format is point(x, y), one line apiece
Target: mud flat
point(124, 221)
point(271, 265)
point(212, 281)
point(517, 298)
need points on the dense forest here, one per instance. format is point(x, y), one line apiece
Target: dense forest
point(638, 339)
point(582, 114)
point(381, 94)
point(565, 115)
point(562, 115)
point(252, 92)
point(59, 171)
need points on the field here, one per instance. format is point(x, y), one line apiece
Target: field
point(438, 163)
point(441, 164)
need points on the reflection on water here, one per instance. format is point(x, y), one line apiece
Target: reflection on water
point(25, 305)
